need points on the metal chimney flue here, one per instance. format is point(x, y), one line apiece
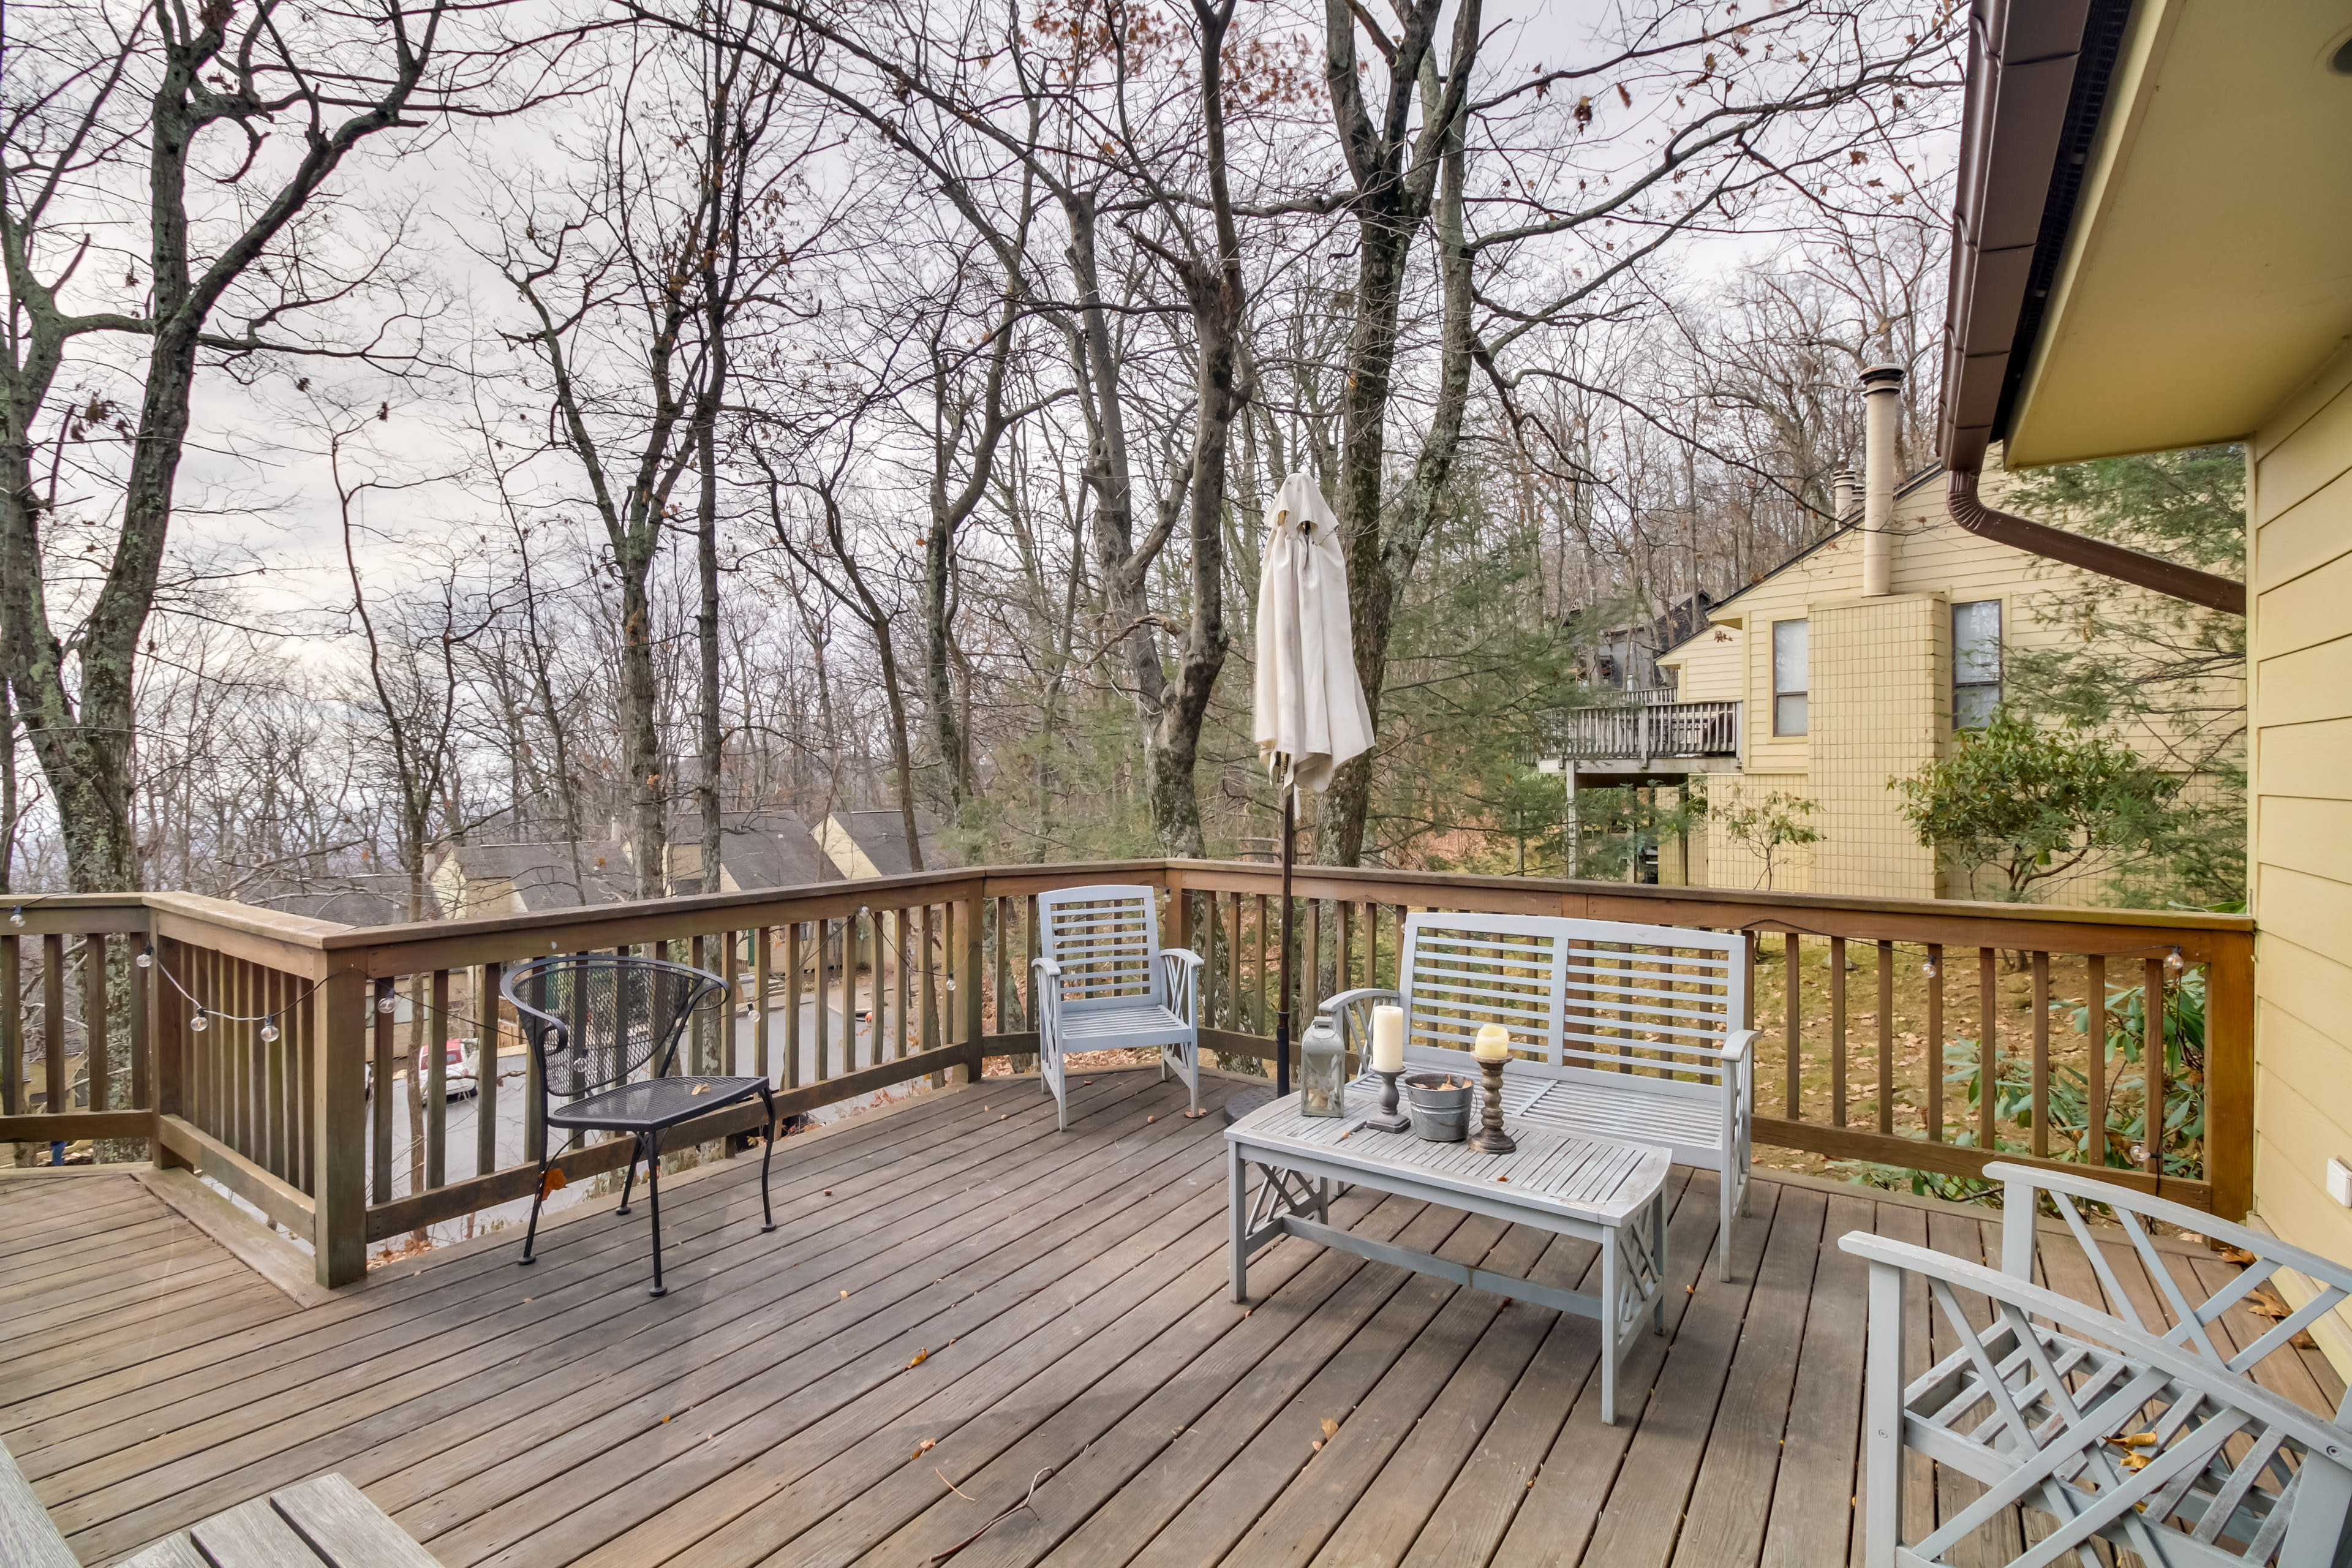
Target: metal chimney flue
point(1842, 487)
point(1881, 409)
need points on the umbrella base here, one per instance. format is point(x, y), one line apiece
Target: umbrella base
point(1240, 1105)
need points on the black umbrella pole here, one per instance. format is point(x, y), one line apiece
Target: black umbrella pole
point(1282, 1012)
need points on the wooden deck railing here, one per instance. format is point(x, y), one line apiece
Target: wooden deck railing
point(245, 1046)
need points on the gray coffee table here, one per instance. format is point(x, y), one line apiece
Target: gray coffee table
point(1594, 1189)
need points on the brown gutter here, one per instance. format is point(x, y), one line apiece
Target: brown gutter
point(2089, 554)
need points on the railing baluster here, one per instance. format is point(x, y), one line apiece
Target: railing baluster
point(1935, 1043)
point(2152, 1117)
point(1988, 1047)
point(95, 1028)
point(2041, 1055)
point(59, 1075)
point(849, 924)
point(12, 1032)
point(2095, 1019)
point(821, 1045)
point(380, 1097)
point(1837, 1031)
point(1792, 1012)
point(1886, 1037)
point(761, 938)
point(436, 1112)
point(486, 1096)
point(793, 962)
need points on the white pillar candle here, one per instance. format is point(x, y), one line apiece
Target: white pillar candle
point(1388, 1038)
point(1494, 1044)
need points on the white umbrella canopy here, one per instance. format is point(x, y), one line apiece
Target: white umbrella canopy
point(1310, 714)
point(1309, 707)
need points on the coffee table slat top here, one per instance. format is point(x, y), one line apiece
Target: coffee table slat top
point(1576, 1176)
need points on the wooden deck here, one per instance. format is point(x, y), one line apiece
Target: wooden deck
point(957, 1299)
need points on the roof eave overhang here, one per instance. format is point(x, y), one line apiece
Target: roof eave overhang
point(2038, 77)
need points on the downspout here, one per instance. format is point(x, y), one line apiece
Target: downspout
point(2089, 554)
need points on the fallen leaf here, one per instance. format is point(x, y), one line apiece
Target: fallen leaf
point(698, 1088)
point(1317, 1445)
point(925, 1446)
point(2237, 1254)
point(1151, 1118)
point(844, 1295)
point(920, 1357)
point(554, 1184)
point(2264, 1302)
point(1330, 1427)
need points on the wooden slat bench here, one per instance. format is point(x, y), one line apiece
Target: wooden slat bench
point(323, 1523)
point(1620, 1031)
point(27, 1539)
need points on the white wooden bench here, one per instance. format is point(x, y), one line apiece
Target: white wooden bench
point(2108, 1432)
point(1630, 1032)
point(1105, 982)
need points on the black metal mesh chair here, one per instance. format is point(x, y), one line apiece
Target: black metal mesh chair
point(605, 1032)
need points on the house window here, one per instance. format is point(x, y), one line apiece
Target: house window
point(1789, 678)
point(1976, 663)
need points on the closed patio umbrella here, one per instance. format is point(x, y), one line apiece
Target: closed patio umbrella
point(1309, 711)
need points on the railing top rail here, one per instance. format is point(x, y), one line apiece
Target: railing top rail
point(444, 944)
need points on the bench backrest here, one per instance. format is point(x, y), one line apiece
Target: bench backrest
point(1107, 940)
point(1575, 993)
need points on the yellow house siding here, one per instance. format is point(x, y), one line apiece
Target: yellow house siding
point(2299, 544)
point(1937, 564)
point(1873, 658)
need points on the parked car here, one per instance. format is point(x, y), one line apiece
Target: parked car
point(461, 1068)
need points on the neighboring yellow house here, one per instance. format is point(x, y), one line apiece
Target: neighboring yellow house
point(2155, 251)
point(1841, 690)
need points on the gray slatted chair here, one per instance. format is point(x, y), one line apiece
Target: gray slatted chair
point(2192, 1311)
point(606, 1032)
point(1105, 982)
point(2115, 1434)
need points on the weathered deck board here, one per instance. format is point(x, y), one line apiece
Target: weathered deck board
point(954, 1269)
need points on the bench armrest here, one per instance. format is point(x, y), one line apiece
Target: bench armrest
point(1357, 998)
point(1354, 1009)
point(1736, 1044)
point(1183, 970)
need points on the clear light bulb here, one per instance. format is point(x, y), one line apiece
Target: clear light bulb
point(950, 982)
point(17, 916)
point(863, 912)
point(1928, 969)
point(199, 1023)
point(386, 1003)
point(2176, 963)
point(147, 958)
point(269, 1033)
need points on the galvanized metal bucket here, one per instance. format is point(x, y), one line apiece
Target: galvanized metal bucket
point(1440, 1105)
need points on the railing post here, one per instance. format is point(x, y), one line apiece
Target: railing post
point(2229, 1075)
point(339, 1118)
point(972, 962)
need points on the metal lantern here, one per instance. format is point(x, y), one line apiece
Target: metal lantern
point(1323, 1070)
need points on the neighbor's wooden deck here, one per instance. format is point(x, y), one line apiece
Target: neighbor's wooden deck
point(1065, 1295)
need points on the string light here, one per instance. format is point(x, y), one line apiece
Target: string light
point(147, 956)
point(198, 1023)
point(1928, 968)
point(386, 1003)
point(2175, 963)
point(17, 916)
point(269, 1033)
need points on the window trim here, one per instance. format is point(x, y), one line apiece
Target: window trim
point(1804, 692)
